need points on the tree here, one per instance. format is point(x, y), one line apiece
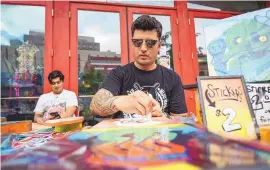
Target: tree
point(199, 49)
point(164, 39)
point(91, 81)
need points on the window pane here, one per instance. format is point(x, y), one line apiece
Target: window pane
point(165, 56)
point(200, 23)
point(168, 3)
point(18, 109)
point(234, 6)
point(195, 5)
point(22, 56)
point(99, 51)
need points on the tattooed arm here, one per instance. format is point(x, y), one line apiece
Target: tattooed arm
point(104, 103)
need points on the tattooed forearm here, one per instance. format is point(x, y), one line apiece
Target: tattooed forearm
point(102, 103)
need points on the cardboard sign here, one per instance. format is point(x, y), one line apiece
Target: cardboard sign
point(226, 106)
point(259, 95)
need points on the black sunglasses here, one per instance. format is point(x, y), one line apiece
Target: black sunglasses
point(139, 42)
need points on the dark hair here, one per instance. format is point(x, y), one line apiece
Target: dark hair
point(55, 74)
point(147, 23)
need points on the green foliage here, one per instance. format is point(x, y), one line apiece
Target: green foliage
point(92, 81)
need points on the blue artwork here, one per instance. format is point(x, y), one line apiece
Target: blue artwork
point(240, 45)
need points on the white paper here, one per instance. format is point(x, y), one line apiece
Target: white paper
point(259, 95)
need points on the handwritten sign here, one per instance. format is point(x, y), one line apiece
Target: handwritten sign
point(259, 95)
point(226, 107)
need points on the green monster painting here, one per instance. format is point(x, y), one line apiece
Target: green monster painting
point(244, 49)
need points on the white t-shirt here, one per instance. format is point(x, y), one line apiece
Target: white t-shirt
point(50, 102)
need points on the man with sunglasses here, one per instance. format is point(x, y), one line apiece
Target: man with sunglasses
point(141, 87)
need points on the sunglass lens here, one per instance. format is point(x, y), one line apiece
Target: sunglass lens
point(137, 43)
point(150, 43)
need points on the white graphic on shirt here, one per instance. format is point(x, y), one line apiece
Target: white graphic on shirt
point(56, 105)
point(156, 93)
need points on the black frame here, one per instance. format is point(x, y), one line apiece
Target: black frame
point(200, 92)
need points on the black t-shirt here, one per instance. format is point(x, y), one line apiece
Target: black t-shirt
point(162, 83)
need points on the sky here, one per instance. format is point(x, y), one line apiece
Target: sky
point(103, 26)
point(200, 23)
point(107, 32)
point(17, 20)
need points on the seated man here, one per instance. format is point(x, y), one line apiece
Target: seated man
point(59, 103)
point(141, 87)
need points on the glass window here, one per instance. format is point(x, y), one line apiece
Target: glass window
point(22, 58)
point(165, 56)
point(234, 6)
point(167, 3)
point(101, 30)
point(200, 23)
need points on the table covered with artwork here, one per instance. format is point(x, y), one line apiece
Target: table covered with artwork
point(13, 143)
point(164, 145)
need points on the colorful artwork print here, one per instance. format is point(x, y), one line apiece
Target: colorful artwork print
point(161, 146)
point(15, 143)
point(26, 56)
point(240, 45)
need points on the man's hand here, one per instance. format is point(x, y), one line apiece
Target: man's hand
point(104, 103)
point(47, 116)
point(157, 112)
point(69, 112)
point(137, 102)
point(39, 118)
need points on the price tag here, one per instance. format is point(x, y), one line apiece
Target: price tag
point(259, 94)
point(226, 106)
